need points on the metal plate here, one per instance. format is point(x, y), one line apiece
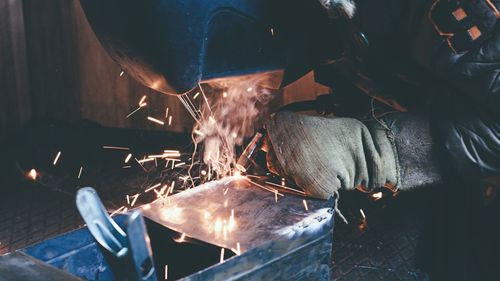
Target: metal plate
point(204, 213)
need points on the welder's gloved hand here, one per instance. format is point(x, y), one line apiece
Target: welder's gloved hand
point(323, 154)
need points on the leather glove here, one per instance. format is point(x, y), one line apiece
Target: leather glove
point(324, 154)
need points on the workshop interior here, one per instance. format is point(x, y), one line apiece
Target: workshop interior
point(249, 140)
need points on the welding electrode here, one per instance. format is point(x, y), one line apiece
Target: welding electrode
point(247, 157)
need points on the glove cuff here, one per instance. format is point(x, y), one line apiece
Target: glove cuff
point(415, 150)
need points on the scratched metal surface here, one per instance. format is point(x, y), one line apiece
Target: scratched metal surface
point(258, 217)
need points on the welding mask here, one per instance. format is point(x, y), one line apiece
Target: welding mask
point(173, 45)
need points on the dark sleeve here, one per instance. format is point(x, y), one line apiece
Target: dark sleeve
point(469, 135)
point(475, 74)
point(466, 110)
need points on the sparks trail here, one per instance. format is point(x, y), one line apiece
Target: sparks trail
point(115, 147)
point(166, 181)
point(56, 159)
point(227, 114)
point(142, 103)
point(157, 121)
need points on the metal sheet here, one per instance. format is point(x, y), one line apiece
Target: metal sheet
point(20, 267)
point(204, 213)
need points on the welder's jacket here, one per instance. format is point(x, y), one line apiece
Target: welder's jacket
point(456, 50)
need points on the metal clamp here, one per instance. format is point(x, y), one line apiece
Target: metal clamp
point(128, 252)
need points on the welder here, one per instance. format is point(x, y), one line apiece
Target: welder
point(455, 128)
point(430, 70)
point(435, 62)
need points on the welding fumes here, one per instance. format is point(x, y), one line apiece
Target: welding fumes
point(230, 113)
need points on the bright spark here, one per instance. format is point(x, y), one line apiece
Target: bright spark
point(305, 205)
point(146, 160)
point(171, 189)
point(170, 154)
point(180, 164)
point(163, 189)
point(377, 195)
point(362, 213)
point(121, 73)
point(153, 187)
point(117, 211)
point(172, 151)
point(156, 120)
point(115, 147)
point(33, 174)
point(80, 172)
point(133, 112)
point(57, 158)
point(198, 132)
point(181, 239)
point(143, 99)
point(221, 255)
point(129, 156)
point(134, 200)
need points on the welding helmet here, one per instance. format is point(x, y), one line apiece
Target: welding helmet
point(173, 45)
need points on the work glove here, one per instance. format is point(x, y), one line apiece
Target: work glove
point(323, 154)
